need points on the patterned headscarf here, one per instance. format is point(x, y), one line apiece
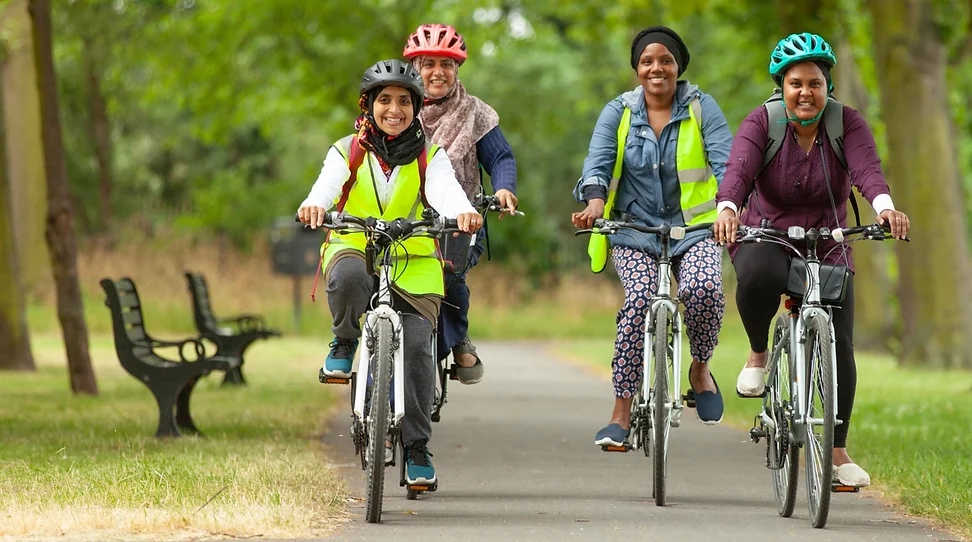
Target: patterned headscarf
point(456, 122)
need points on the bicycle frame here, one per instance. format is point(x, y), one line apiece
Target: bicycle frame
point(662, 297)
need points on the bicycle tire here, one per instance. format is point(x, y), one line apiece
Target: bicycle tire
point(661, 414)
point(378, 418)
point(441, 387)
point(782, 455)
point(819, 442)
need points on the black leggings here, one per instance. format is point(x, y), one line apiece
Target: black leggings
point(761, 271)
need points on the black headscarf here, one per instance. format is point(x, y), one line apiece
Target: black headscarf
point(391, 150)
point(665, 36)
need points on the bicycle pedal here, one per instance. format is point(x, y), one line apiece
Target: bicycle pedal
point(689, 399)
point(840, 488)
point(612, 448)
point(741, 396)
point(452, 373)
point(422, 487)
point(332, 380)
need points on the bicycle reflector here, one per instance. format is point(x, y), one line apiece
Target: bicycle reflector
point(677, 233)
point(796, 232)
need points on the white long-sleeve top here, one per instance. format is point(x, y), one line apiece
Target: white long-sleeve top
point(442, 190)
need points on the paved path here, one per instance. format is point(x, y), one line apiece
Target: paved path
point(516, 461)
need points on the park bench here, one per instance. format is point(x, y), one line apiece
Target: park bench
point(232, 335)
point(170, 378)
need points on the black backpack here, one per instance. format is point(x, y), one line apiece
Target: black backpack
point(833, 119)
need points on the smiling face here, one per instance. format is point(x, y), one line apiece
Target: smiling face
point(804, 90)
point(393, 110)
point(658, 71)
point(438, 74)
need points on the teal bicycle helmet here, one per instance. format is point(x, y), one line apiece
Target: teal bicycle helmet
point(798, 48)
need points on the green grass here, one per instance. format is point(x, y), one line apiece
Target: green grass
point(910, 426)
point(81, 465)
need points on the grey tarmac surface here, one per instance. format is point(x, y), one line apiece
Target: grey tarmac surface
point(515, 458)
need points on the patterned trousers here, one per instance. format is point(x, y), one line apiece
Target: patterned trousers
point(698, 273)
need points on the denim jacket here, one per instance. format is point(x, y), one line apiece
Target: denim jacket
point(649, 188)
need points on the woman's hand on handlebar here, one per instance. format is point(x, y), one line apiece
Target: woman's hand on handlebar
point(312, 215)
point(586, 218)
point(507, 201)
point(898, 221)
point(469, 222)
point(726, 226)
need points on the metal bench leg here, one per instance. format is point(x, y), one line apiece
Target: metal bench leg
point(167, 424)
point(234, 377)
point(183, 417)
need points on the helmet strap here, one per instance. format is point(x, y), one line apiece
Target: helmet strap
point(806, 123)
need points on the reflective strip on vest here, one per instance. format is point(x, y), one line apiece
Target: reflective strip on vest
point(417, 268)
point(696, 181)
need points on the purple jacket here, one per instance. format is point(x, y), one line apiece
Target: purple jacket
point(792, 190)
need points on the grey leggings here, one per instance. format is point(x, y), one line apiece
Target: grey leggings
point(349, 290)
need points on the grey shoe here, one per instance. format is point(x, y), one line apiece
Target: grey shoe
point(467, 375)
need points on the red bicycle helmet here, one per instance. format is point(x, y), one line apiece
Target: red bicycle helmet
point(436, 40)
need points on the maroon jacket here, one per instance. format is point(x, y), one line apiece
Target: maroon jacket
point(792, 190)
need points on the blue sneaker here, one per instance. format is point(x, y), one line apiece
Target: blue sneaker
point(709, 406)
point(418, 464)
point(612, 435)
point(340, 358)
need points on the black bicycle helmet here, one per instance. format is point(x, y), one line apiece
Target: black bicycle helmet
point(397, 73)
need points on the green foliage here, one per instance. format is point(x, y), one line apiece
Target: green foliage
point(214, 102)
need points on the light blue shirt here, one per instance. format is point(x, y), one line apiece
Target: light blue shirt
point(649, 189)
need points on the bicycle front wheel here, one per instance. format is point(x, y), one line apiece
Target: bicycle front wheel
point(782, 455)
point(661, 410)
point(377, 417)
point(821, 417)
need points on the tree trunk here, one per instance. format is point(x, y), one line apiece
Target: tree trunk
point(25, 153)
point(934, 289)
point(14, 341)
point(60, 225)
point(874, 324)
point(99, 128)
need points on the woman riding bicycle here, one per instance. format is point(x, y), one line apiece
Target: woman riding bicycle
point(388, 183)
point(469, 130)
point(664, 136)
point(804, 185)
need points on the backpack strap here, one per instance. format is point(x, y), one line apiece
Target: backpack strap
point(833, 118)
point(355, 156)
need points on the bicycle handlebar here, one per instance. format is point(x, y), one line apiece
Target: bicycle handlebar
point(874, 232)
point(609, 227)
point(484, 204)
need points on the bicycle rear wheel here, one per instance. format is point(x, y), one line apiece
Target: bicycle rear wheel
point(782, 455)
point(378, 419)
point(819, 442)
point(661, 410)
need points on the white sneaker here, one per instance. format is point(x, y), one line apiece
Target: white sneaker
point(751, 381)
point(850, 474)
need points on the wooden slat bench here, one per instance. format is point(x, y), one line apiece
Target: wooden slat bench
point(170, 378)
point(231, 335)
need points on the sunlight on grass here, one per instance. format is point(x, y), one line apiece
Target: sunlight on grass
point(910, 426)
point(90, 466)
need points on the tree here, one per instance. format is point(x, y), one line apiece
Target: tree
point(60, 222)
point(922, 165)
point(15, 351)
point(25, 155)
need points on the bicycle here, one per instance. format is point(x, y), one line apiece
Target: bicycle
point(799, 407)
point(446, 366)
point(381, 362)
point(657, 407)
